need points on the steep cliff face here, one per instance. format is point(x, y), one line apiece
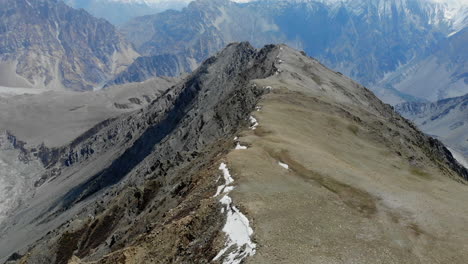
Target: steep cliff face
point(146, 187)
point(46, 44)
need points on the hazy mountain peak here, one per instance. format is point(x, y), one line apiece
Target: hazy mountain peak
point(47, 44)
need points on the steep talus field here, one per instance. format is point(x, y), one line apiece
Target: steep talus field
point(47, 44)
point(321, 169)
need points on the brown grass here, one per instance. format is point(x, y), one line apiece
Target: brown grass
point(420, 173)
point(354, 198)
point(353, 128)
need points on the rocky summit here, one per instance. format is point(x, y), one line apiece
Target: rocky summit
point(258, 156)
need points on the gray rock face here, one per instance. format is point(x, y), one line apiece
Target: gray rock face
point(446, 119)
point(365, 40)
point(17, 172)
point(46, 44)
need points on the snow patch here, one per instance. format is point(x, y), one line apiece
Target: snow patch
point(284, 165)
point(239, 146)
point(253, 123)
point(237, 227)
point(227, 179)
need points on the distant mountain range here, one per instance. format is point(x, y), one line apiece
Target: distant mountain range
point(442, 74)
point(388, 45)
point(120, 11)
point(141, 172)
point(47, 44)
point(445, 119)
point(404, 50)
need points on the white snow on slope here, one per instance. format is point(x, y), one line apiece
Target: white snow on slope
point(227, 179)
point(253, 123)
point(237, 227)
point(284, 165)
point(239, 146)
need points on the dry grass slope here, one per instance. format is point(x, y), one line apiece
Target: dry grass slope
point(360, 187)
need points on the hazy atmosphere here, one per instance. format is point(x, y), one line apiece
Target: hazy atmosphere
point(218, 131)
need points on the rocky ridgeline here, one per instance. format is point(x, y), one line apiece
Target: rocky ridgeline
point(156, 145)
point(147, 179)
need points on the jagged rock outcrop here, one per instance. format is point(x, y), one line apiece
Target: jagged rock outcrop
point(47, 44)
